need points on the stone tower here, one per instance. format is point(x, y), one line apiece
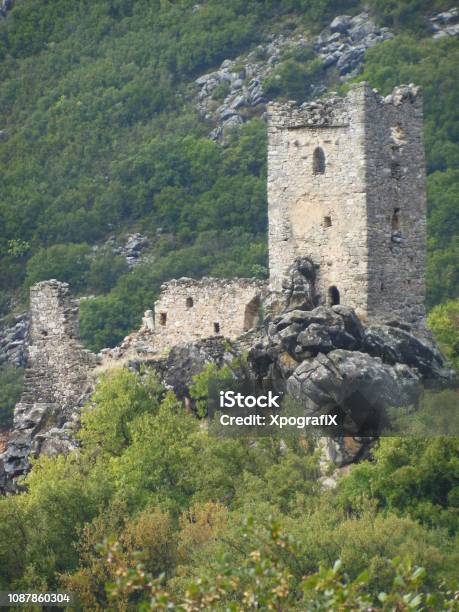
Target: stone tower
point(346, 188)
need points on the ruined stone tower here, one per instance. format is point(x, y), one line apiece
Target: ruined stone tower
point(57, 381)
point(346, 188)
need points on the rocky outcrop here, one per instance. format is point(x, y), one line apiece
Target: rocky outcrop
point(322, 357)
point(344, 42)
point(177, 370)
point(131, 250)
point(5, 6)
point(234, 93)
point(329, 363)
point(445, 24)
point(13, 341)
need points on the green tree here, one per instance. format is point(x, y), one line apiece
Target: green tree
point(443, 320)
point(64, 262)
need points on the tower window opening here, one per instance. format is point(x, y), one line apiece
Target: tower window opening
point(395, 221)
point(318, 161)
point(216, 328)
point(333, 296)
point(327, 222)
point(162, 318)
point(189, 302)
point(395, 170)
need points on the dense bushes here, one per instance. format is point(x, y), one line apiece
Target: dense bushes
point(149, 477)
point(295, 76)
point(443, 320)
point(407, 14)
point(10, 391)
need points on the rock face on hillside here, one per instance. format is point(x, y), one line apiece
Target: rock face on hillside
point(326, 360)
point(344, 42)
point(13, 341)
point(445, 24)
point(234, 93)
point(5, 6)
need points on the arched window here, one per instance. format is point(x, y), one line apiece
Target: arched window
point(189, 302)
point(162, 318)
point(333, 296)
point(318, 161)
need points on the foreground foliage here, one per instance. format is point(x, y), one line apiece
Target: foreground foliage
point(151, 483)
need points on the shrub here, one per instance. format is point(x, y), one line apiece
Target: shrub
point(10, 392)
point(65, 262)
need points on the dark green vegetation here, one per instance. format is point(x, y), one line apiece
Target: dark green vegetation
point(10, 392)
point(100, 136)
point(149, 480)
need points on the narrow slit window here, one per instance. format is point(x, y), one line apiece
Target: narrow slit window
point(216, 328)
point(162, 318)
point(395, 221)
point(189, 302)
point(318, 161)
point(333, 296)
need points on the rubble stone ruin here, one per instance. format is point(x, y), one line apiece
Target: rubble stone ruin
point(347, 233)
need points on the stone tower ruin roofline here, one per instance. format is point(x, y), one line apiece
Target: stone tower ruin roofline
point(209, 281)
point(333, 110)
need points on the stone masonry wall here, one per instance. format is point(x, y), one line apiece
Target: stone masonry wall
point(346, 188)
point(396, 204)
point(188, 310)
point(57, 380)
point(321, 215)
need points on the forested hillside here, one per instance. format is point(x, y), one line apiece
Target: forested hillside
point(100, 136)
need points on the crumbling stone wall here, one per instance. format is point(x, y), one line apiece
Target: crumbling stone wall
point(57, 381)
point(188, 309)
point(338, 172)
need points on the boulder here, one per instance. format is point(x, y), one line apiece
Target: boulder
point(396, 345)
point(340, 23)
point(359, 385)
